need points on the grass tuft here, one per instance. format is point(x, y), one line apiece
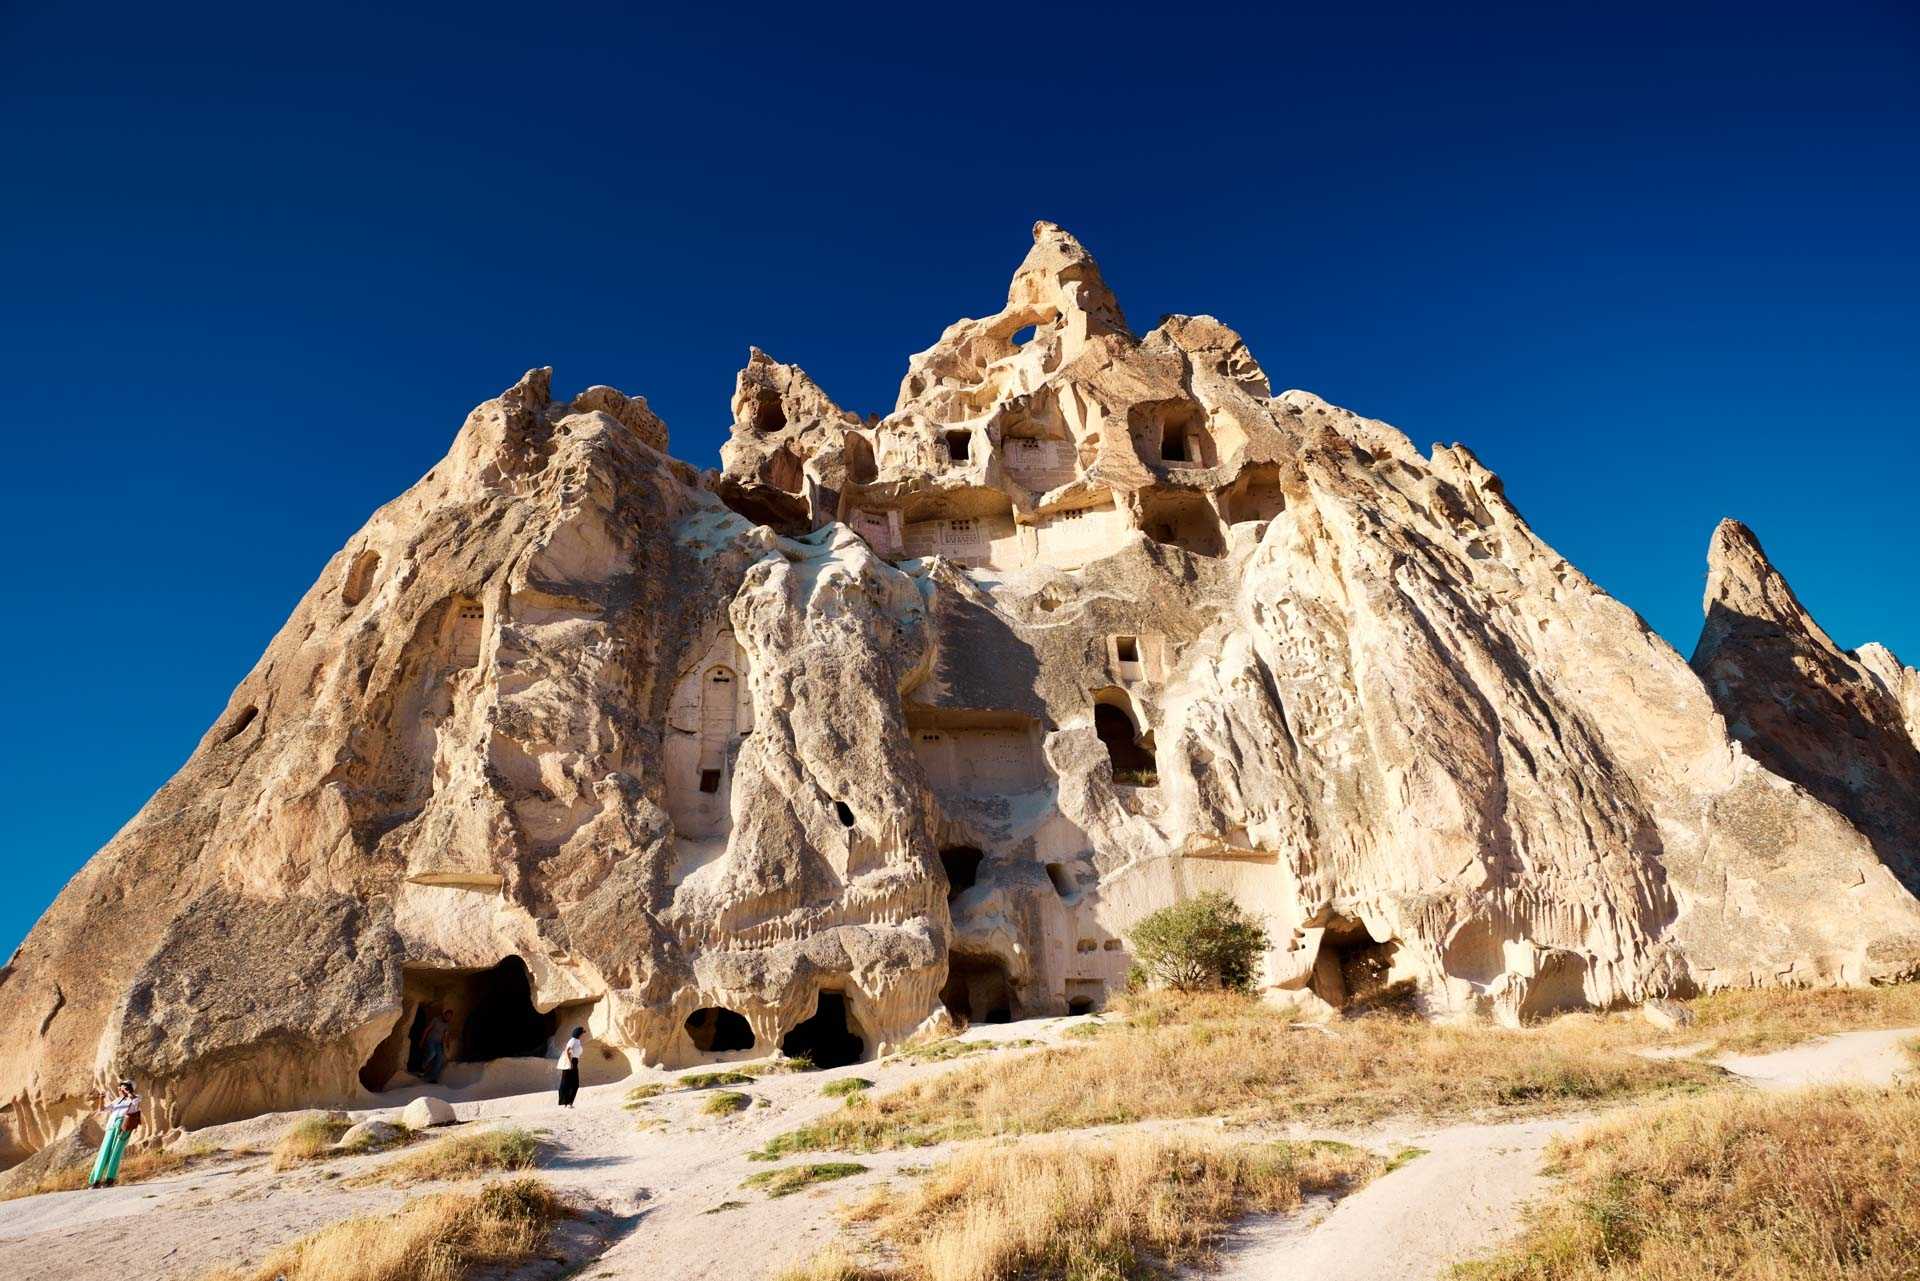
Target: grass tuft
point(308, 1140)
point(792, 1178)
point(846, 1087)
point(830, 1264)
point(726, 1103)
point(1813, 1186)
point(708, 1080)
point(461, 1156)
point(441, 1237)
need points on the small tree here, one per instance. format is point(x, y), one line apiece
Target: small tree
point(1204, 942)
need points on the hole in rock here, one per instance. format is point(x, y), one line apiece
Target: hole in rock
point(959, 446)
point(845, 813)
point(1255, 496)
point(766, 413)
point(709, 781)
point(482, 1015)
point(1080, 1005)
point(713, 1029)
point(858, 454)
point(1183, 519)
point(238, 725)
point(1127, 648)
point(962, 866)
point(1132, 764)
point(830, 1038)
point(1352, 969)
point(1061, 878)
point(1021, 337)
point(977, 989)
point(360, 577)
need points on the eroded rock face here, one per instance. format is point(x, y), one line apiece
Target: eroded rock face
point(1841, 725)
point(901, 720)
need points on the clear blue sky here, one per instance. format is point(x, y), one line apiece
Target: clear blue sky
point(1656, 264)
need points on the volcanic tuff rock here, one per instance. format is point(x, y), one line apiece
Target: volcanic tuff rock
point(901, 720)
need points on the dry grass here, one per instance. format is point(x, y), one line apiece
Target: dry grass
point(1221, 1055)
point(1134, 1207)
point(830, 1264)
point(1748, 1021)
point(443, 1237)
point(134, 1167)
point(726, 1103)
point(790, 1179)
point(309, 1140)
point(461, 1156)
point(1815, 1186)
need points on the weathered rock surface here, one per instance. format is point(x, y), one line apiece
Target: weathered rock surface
point(426, 1112)
point(1839, 724)
point(901, 720)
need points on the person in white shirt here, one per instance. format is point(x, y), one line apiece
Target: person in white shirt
point(570, 1067)
point(123, 1117)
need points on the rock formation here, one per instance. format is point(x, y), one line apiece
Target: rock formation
point(901, 720)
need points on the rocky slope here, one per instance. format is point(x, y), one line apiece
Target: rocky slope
point(894, 721)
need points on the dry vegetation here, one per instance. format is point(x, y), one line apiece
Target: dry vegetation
point(1749, 1021)
point(308, 1140)
point(134, 1167)
point(1109, 1210)
point(1816, 1186)
point(726, 1103)
point(790, 1179)
point(1221, 1055)
point(461, 1156)
point(443, 1237)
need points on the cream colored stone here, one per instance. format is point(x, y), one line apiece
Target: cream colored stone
point(896, 721)
point(426, 1112)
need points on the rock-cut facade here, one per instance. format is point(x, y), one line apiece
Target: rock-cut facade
point(891, 723)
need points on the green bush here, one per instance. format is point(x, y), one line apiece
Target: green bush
point(1204, 942)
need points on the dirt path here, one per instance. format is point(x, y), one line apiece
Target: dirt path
point(1468, 1194)
point(665, 1184)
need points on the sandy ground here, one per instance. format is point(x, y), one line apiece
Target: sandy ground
point(1469, 1193)
point(664, 1187)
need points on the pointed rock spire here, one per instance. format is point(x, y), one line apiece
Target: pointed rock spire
point(1804, 708)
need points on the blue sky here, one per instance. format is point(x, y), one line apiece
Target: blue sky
point(1656, 265)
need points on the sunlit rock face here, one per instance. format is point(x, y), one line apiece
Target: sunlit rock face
point(898, 721)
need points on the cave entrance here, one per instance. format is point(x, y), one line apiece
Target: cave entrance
point(830, 1038)
point(487, 1014)
point(1352, 970)
point(714, 1029)
point(1132, 764)
point(978, 989)
point(962, 866)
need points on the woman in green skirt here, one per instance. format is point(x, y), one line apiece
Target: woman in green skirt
point(123, 1115)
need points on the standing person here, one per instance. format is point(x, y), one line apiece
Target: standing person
point(433, 1046)
point(570, 1067)
point(123, 1115)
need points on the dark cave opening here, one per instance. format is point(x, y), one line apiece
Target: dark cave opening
point(961, 863)
point(484, 1015)
point(714, 1029)
point(978, 989)
point(1132, 763)
point(830, 1038)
